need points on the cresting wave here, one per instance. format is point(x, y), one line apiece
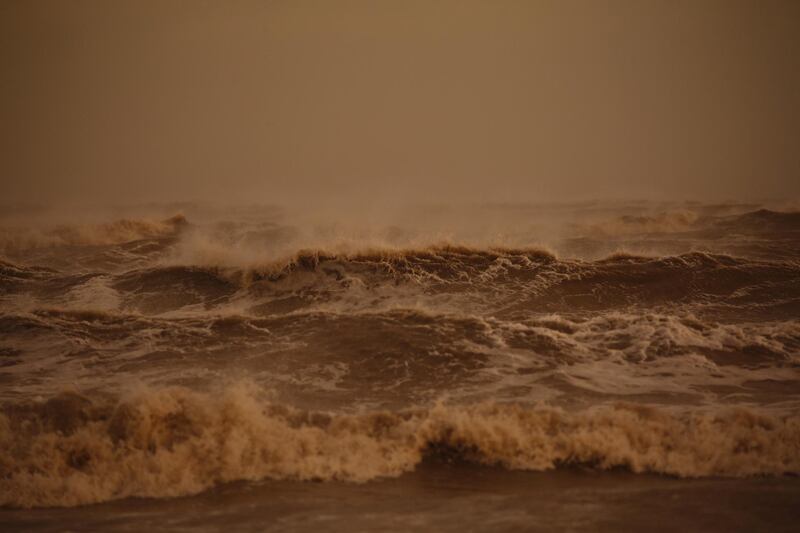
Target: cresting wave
point(20, 239)
point(458, 262)
point(72, 450)
point(508, 279)
point(230, 242)
point(435, 262)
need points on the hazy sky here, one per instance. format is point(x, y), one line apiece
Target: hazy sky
point(261, 101)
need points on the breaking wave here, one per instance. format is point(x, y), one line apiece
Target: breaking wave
point(19, 239)
point(532, 279)
point(460, 263)
point(528, 277)
point(72, 450)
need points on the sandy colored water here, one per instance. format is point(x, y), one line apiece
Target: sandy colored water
point(211, 361)
point(444, 497)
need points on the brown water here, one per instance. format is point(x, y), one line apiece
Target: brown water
point(607, 365)
point(450, 498)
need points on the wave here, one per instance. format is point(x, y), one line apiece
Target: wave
point(20, 239)
point(442, 262)
point(73, 450)
point(682, 221)
point(660, 223)
point(13, 272)
point(246, 244)
point(459, 263)
point(761, 221)
point(399, 357)
point(507, 278)
point(513, 278)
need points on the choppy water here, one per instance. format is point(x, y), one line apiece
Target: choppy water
point(164, 356)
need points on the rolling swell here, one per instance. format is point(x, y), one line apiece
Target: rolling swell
point(694, 277)
point(498, 280)
point(761, 221)
point(73, 450)
point(451, 265)
point(508, 280)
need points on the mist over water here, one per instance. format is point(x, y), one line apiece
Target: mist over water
point(354, 102)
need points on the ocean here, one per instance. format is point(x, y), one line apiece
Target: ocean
point(598, 366)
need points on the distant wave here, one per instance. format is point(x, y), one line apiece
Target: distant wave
point(659, 223)
point(17, 239)
point(73, 450)
point(760, 221)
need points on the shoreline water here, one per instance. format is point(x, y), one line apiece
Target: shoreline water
point(449, 497)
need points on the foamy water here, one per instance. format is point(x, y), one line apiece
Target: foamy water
point(163, 356)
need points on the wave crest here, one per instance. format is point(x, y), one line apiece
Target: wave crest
point(18, 239)
point(72, 450)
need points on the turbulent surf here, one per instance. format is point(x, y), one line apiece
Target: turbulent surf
point(166, 354)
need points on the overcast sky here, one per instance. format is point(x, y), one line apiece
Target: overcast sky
point(263, 101)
